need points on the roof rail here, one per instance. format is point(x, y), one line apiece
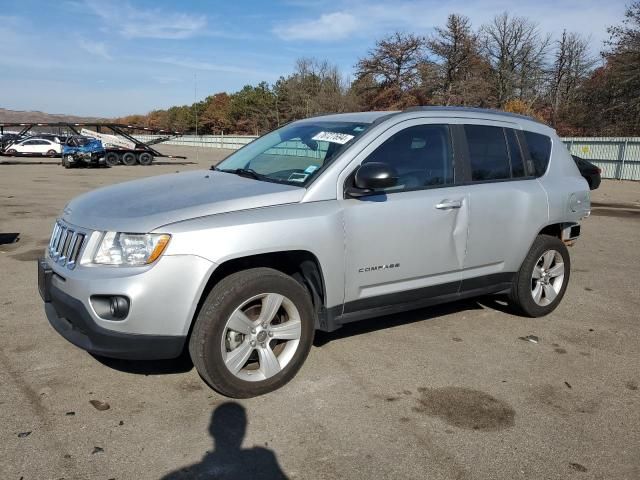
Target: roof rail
point(491, 111)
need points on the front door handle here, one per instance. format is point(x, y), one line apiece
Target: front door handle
point(449, 204)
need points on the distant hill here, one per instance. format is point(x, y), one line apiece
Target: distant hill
point(15, 116)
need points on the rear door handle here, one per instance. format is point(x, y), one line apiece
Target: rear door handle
point(449, 204)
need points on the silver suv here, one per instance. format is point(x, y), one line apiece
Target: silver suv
point(322, 222)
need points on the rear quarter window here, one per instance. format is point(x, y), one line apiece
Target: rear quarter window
point(539, 147)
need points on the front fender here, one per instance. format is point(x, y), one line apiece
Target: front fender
point(315, 227)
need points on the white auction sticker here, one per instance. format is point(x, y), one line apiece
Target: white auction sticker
point(333, 137)
point(297, 177)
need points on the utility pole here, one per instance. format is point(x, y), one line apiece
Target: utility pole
point(195, 98)
point(195, 106)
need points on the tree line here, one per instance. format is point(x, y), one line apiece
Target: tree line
point(508, 64)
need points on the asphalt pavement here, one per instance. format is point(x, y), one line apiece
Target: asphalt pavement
point(450, 392)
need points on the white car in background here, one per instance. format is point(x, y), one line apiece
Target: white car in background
point(35, 146)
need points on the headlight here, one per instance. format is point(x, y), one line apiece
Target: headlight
point(130, 248)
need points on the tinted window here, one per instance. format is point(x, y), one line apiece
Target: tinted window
point(421, 155)
point(517, 162)
point(539, 151)
point(487, 153)
point(31, 142)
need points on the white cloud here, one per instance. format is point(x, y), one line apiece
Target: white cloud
point(95, 48)
point(214, 67)
point(367, 20)
point(329, 27)
point(135, 22)
point(164, 79)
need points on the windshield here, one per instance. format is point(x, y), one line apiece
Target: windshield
point(294, 153)
point(78, 141)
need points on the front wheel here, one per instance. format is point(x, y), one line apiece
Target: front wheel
point(253, 333)
point(543, 277)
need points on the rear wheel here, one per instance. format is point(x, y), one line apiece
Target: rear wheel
point(253, 333)
point(112, 159)
point(145, 159)
point(543, 277)
point(52, 153)
point(129, 159)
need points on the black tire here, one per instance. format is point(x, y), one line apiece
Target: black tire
point(521, 296)
point(206, 338)
point(52, 153)
point(145, 159)
point(112, 159)
point(129, 159)
point(11, 151)
point(65, 161)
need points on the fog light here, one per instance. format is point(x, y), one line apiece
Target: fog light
point(110, 307)
point(119, 307)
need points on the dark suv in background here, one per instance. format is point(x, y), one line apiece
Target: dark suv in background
point(589, 171)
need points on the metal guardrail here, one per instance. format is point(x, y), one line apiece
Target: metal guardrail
point(230, 142)
point(617, 157)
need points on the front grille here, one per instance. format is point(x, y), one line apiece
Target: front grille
point(65, 245)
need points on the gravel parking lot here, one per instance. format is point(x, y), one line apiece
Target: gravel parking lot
point(450, 392)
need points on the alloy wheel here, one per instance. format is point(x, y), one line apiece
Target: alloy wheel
point(547, 278)
point(261, 337)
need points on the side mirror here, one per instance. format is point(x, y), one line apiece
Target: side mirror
point(372, 176)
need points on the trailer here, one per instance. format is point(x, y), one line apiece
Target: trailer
point(120, 144)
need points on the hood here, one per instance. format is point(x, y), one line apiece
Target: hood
point(144, 205)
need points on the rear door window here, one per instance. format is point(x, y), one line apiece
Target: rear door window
point(539, 147)
point(488, 153)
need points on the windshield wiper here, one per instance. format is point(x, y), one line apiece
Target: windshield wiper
point(244, 172)
point(251, 173)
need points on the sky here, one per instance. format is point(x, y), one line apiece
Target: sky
point(111, 58)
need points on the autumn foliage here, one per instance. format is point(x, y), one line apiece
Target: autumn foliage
point(508, 64)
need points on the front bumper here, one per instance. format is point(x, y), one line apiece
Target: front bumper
point(70, 319)
point(155, 328)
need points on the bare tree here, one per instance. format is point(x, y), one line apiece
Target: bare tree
point(462, 70)
point(623, 66)
point(516, 50)
point(315, 87)
point(572, 65)
point(391, 71)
